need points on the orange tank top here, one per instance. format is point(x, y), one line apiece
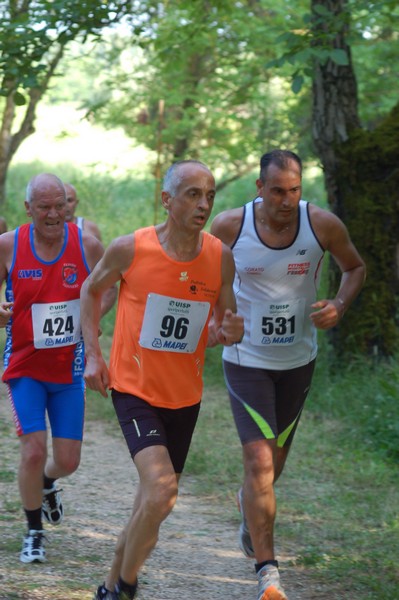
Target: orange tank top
point(161, 327)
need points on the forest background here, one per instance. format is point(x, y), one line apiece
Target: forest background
point(224, 82)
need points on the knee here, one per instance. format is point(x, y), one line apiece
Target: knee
point(160, 501)
point(66, 461)
point(33, 455)
point(260, 464)
point(68, 464)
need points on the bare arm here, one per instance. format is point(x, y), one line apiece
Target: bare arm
point(226, 327)
point(94, 251)
point(226, 225)
point(107, 272)
point(92, 228)
point(335, 239)
point(6, 254)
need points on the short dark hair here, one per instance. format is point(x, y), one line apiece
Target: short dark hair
point(280, 158)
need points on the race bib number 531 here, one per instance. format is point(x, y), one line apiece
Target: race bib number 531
point(172, 324)
point(278, 322)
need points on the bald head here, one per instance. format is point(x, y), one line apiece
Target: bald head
point(175, 175)
point(42, 185)
point(72, 202)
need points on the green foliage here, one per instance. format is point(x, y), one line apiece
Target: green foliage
point(32, 33)
point(372, 32)
point(199, 86)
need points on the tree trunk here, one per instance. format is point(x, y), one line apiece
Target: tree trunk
point(335, 107)
point(368, 182)
point(9, 142)
point(362, 178)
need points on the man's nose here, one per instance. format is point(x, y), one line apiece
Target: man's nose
point(203, 201)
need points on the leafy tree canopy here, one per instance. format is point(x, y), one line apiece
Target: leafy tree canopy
point(33, 38)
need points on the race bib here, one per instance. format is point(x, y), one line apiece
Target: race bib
point(56, 324)
point(277, 322)
point(172, 324)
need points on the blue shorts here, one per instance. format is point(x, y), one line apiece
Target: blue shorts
point(64, 404)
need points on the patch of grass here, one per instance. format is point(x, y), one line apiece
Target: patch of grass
point(215, 454)
point(6, 475)
point(363, 396)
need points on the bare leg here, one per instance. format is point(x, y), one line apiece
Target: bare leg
point(31, 467)
point(66, 458)
point(115, 570)
point(155, 499)
point(259, 497)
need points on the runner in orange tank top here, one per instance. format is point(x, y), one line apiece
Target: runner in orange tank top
point(173, 278)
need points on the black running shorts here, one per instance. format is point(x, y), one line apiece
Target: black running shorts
point(267, 404)
point(144, 425)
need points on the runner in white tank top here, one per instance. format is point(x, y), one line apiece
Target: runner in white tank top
point(275, 289)
point(278, 243)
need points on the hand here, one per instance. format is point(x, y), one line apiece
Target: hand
point(5, 312)
point(328, 313)
point(96, 375)
point(231, 330)
point(212, 334)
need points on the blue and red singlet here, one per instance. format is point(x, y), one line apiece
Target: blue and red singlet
point(44, 338)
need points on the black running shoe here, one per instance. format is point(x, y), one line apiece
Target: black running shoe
point(52, 508)
point(103, 594)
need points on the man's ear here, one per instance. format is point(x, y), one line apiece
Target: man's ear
point(27, 208)
point(165, 199)
point(259, 184)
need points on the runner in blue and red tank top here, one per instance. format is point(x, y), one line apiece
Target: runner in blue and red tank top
point(44, 265)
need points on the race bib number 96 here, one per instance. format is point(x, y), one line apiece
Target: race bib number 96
point(277, 322)
point(56, 324)
point(172, 324)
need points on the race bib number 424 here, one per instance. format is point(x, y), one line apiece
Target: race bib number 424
point(173, 324)
point(56, 324)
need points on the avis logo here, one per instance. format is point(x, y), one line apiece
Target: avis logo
point(30, 274)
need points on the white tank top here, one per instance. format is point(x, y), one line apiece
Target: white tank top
point(79, 222)
point(274, 289)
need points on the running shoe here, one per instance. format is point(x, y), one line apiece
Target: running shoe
point(123, 595)
point(33, 549)
point(269, 587)
point(244, 537)
point(103, 594)
point(52, 508)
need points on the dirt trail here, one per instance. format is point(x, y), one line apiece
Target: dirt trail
point(196, 558)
